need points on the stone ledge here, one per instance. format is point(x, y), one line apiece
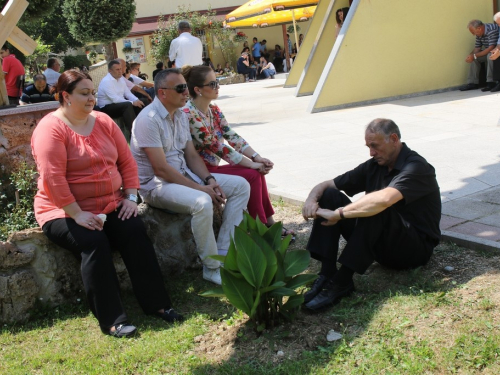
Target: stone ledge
point(32, 267)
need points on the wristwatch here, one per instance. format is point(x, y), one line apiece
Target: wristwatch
point(132, 197)
point(208, 178)
point(255, 154)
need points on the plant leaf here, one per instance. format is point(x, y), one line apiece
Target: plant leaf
point(284, 244)
point(261, 227)
point(237, 291)
point(283, 292)
point(272, 262)
point(220, 258)
point(296, 262)
point(276, 285)
point(251, 261)
point(255, 305)
point(273, 236)
point(230, 262)
point(216, 292)
point(300, 280)
point(293, 302)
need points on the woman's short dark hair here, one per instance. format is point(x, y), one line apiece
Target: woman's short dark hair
point(159, 65)
point(344, 11)
point(67, 82)
point(195, 76)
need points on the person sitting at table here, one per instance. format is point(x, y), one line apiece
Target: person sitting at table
point(87, 203)
point(209, 129)
point(243, 67)
point(37, 92)
point(266, 69)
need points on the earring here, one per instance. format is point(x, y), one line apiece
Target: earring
point(200, 94)
point(69, 103)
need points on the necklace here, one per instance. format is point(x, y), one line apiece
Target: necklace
point(205, 115)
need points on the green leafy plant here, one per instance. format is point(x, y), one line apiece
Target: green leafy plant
point(259, 275)
point(17, 194)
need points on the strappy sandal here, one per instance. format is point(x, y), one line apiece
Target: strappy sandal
point(286, 232)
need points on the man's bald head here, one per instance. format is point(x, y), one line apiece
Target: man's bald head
point(496, 18)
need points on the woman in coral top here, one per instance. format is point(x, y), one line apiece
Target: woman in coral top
point(209, 129)
point(87, 203)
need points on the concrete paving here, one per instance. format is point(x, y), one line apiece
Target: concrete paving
point(457, 132)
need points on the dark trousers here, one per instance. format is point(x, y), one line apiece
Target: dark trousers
point(13, 100)
point(250, 71)
point(126, 110)
point(129, 237)
point(496, 69)
point(386, 238)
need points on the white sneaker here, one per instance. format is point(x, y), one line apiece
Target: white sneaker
point(212, 274)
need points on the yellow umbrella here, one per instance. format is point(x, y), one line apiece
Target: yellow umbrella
point(256, 8)
point(274, 18)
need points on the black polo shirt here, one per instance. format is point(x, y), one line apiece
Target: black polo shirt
point(32, 96)
point(413, 177)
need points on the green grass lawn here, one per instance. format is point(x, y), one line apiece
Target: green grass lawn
point(424, 321)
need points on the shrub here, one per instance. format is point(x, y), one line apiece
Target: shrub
point(17, 194)
point(259, 276)
point(75, 61)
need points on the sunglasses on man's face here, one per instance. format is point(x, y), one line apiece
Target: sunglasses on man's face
point(213, 85)
point(179, 88)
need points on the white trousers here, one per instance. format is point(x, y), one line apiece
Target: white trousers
point(182, 199)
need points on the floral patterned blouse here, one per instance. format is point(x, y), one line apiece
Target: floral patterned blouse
point(209, 133)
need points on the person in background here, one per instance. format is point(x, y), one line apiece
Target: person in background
point(340, 16)
point(159, 67)
point(219, 70)
point(256, 50)
point(301, 39)
point(243, 67)
point(87, 203)
point(186, 48)
point(278, 57)
point(228, 68)
point(52, 72)
point(266, 69)
point(209, 130)
point(37, 92)
point(13, 69)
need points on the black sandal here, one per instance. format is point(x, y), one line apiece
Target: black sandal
point(123, 330)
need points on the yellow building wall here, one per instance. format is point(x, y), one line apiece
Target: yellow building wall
point(316, 46)
point(394, 48)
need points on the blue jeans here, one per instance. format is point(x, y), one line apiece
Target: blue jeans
point(268, 73)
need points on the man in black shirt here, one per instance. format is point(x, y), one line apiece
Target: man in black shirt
point(396, 223)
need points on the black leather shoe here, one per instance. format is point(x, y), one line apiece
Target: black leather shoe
point(469, 86)
point(496, 88)
point(169, 315)
point(123, 330)
point(489, 86)
point(331, 295)
point(315, 288)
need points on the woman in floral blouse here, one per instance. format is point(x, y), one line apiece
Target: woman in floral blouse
point(209, 129)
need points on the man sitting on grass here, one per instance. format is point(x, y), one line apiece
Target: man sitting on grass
point(396, 223)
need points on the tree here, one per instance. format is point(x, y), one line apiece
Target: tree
point(52, 30)
point(36, 9)
point(102, 21)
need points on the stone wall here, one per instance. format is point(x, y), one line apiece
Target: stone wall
point(33, 268)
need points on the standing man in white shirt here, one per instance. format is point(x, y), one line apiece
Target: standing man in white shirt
point(115, 99)
point(52, 72)
point(186, 49)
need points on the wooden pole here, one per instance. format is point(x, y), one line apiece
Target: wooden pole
point(4, 99)
point(287, 52)
point(295, 30)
